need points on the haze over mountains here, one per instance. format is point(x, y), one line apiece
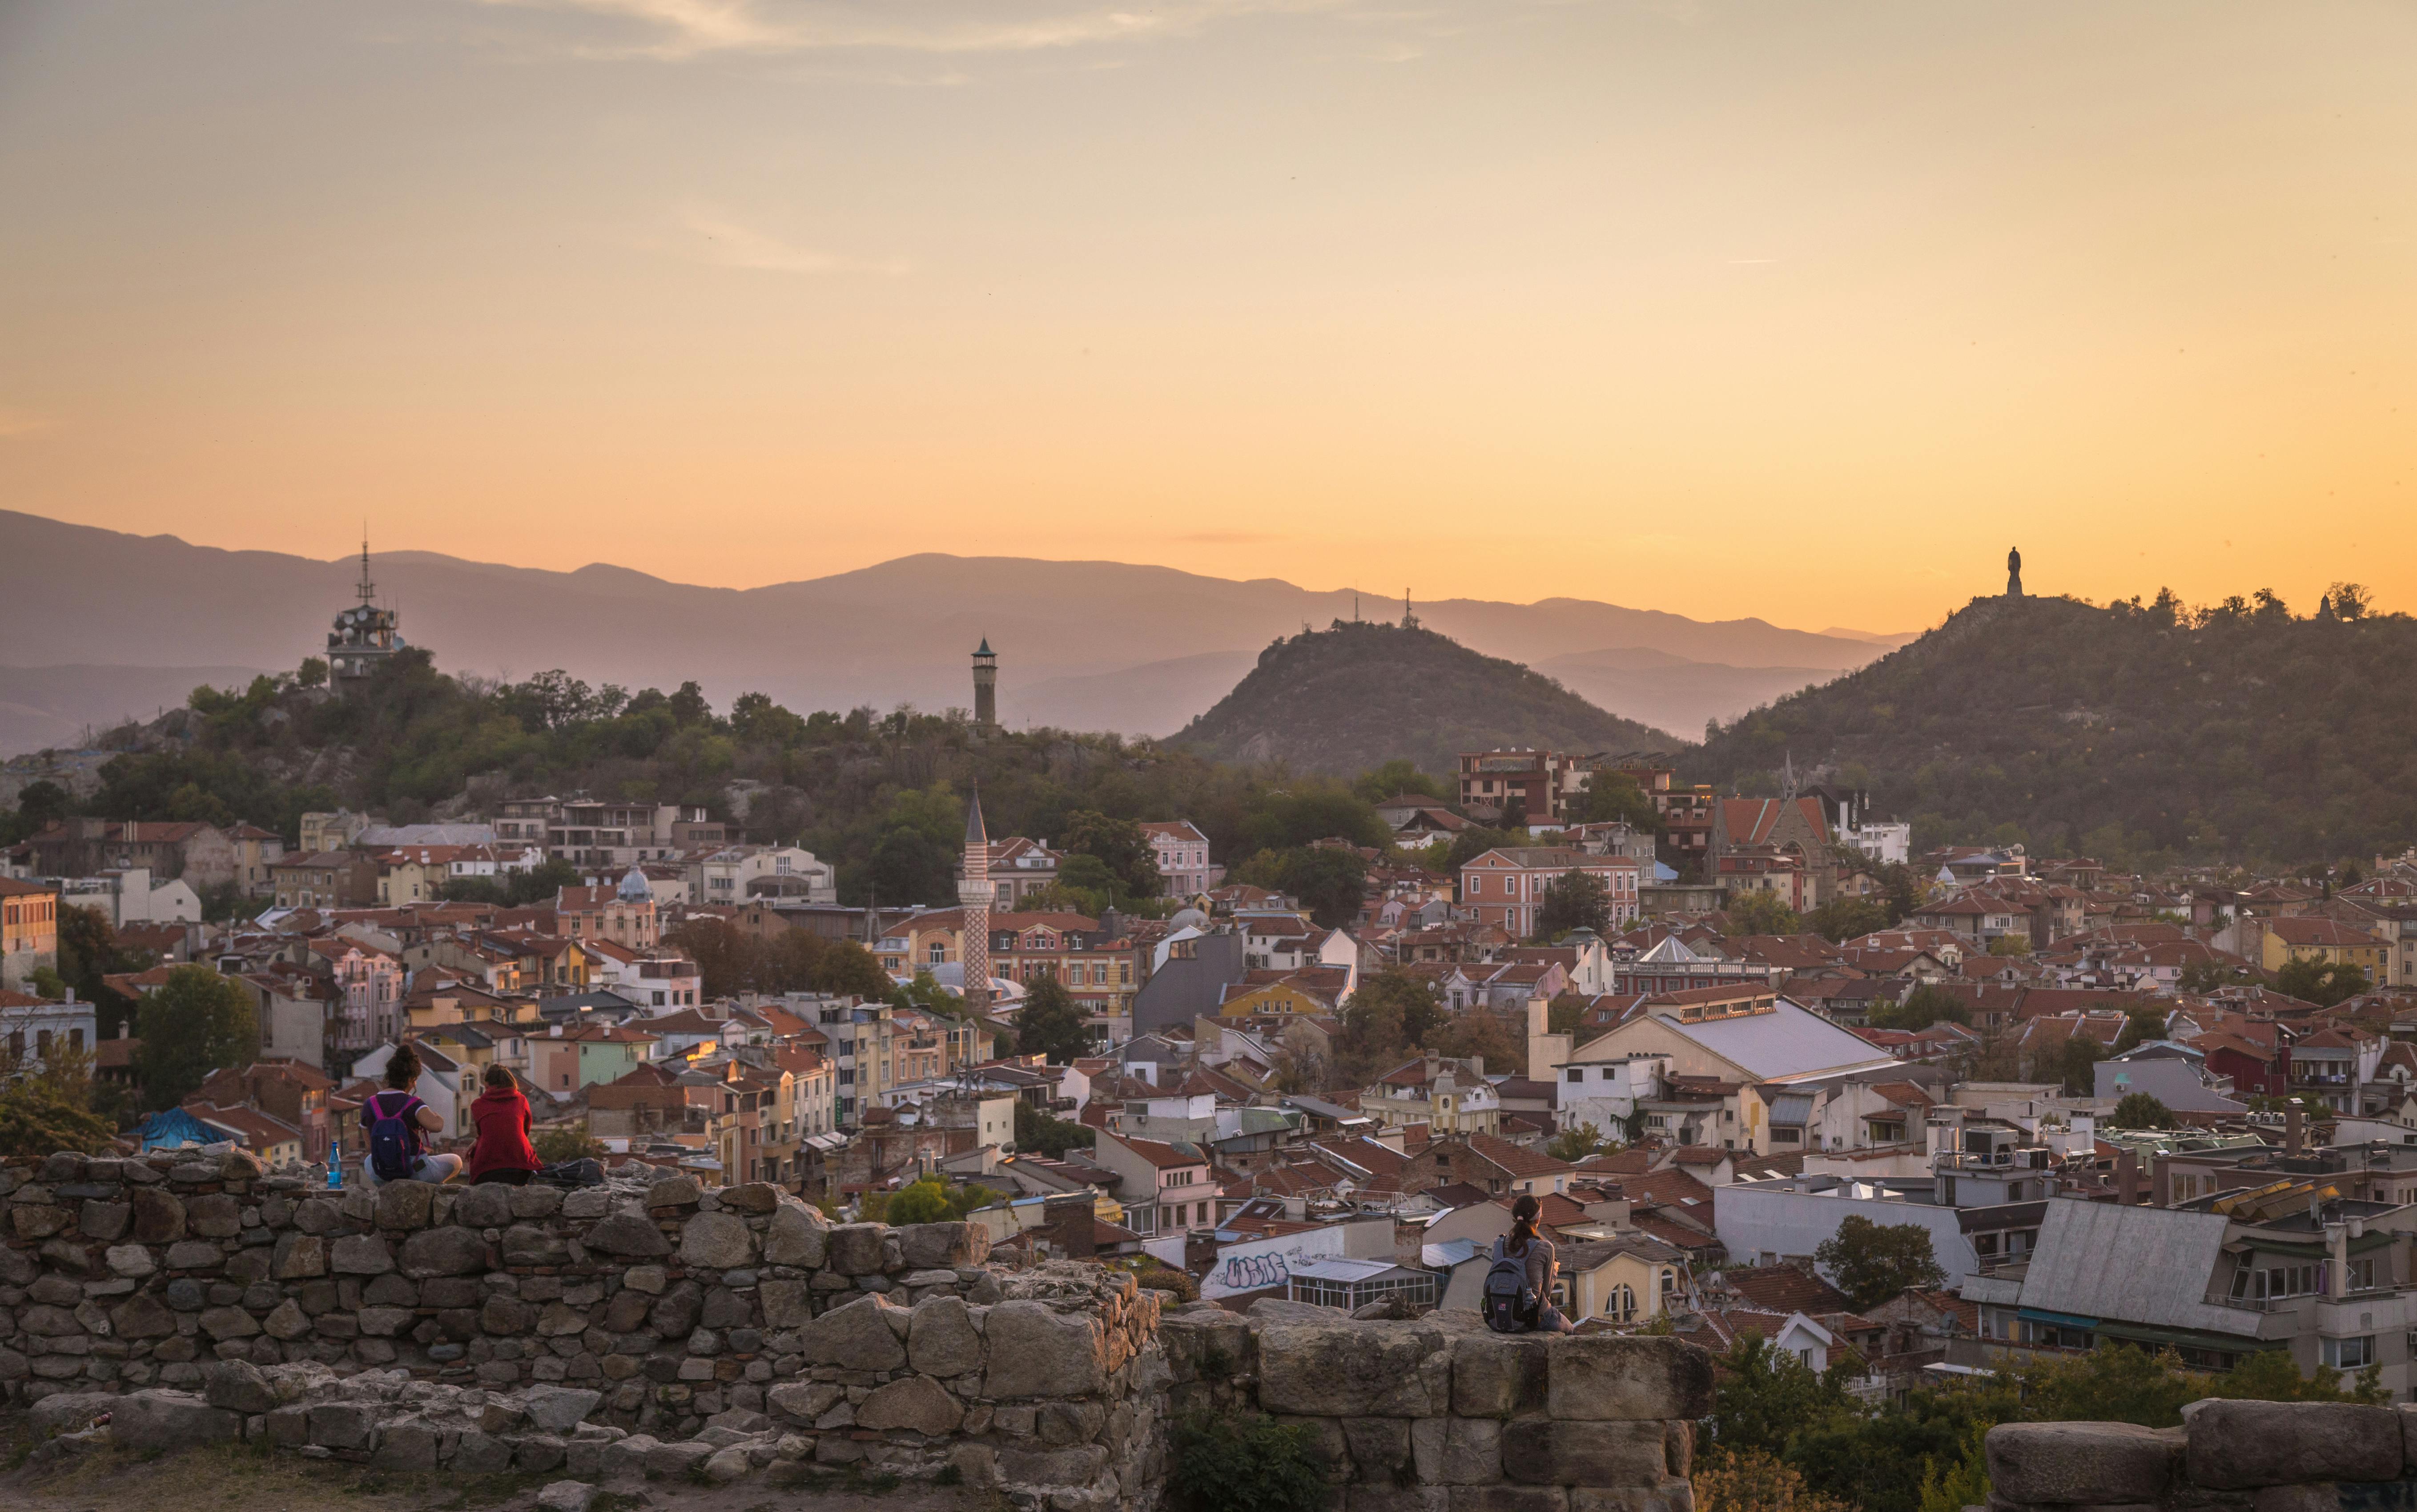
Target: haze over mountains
point(1083, 645)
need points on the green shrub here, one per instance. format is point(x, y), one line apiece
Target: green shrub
point(1245, 1464)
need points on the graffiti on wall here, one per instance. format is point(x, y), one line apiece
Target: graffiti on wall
point(1264, 1263)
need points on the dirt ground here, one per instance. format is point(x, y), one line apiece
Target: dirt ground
point(240, 1479)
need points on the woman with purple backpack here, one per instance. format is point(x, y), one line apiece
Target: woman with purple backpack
point(397, 1123)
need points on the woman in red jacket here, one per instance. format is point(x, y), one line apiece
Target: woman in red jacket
point(503, 1152)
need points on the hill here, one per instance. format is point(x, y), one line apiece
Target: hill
point(1350, 697)
point(2131, 731)
point(1084, 645)
point(1672, 692)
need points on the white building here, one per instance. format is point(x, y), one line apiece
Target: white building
point(729, 875)
point(33, 1027)
point(129, 895)
point(1181, 852)
point(1882, 842)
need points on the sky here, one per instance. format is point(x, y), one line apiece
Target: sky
point(1803, 311)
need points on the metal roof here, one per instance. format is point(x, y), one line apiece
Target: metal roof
point(1787, 1043)
point(2168, 1256)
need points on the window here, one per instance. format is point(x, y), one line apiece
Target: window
point(2350, 1353)
point(1576, 1074)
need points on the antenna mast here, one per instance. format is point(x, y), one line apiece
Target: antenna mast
point(369, 590)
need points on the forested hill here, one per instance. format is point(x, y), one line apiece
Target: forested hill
point(1358, 693)
point(2238, 732)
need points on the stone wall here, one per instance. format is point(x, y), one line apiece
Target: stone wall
point(2227, 1456)
point(652, 1327)
point(1440, 1415)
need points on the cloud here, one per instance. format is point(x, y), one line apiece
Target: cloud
point(675, 29)
point(16, 423)
point(723, 242)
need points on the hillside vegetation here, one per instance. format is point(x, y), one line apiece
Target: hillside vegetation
point(2133, 732)
point(1349, 697)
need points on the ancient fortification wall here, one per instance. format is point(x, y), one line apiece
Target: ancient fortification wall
point(2227, 1456)
point(649, 1326)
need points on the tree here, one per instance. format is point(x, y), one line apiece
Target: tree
point(1843, 919)
point(312, 673)
point(1756, 911)
point(2075, 1065)
point(926, 1200)
point(1872, 1262)
point(1614, 798)
point(2139, 1110)
point(2011, 945)
point(566, 1141)
point(1578, 1143)
point(1118, 844)
point(2140, 1025)
point(1050, 1023)
point(1394, 778)
point(1573, 900)
point(42, 803)
point(909, 867)
point(1754, 1480)
point(1039, 1132)
point(52, 1110)
point(196, 1022)
point(2313, 979)
point(1392, 1011)
point(1766, 1395)
point(1924, 1006)
point(2208, 976)
point(1566, 1015)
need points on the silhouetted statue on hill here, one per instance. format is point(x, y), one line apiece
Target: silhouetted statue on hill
point(2014, 573)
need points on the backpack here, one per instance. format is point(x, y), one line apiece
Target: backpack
point(394, 1135)
point(1507, 1303)
point(581, 1172)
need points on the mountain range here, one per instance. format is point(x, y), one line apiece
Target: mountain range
point(96, 625)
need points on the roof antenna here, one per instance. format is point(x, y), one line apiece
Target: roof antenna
point(369, 590)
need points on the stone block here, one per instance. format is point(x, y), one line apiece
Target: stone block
point(1397, 1499)
point(1031, 1469)
point(535, 1201)
point(914, 1402)
point(675, 1461)
point(934, 1246)
point(560, 1408)
point(445, 1251)
point(195, 1255)
point(344, 1425)
point(629, 1236)
point(229, 1322)
point(2079, 1462)
point(1472, 1452)
point(483, 1205)
point(1379, 1448)
point(380, 1322)
point(105, 1221)
point(238, 1387)
point(1549, 1451)
point(1344, 1369)
point(408, 1444)
point(405, 1204)
point(1673, 1495)
point(1612, 1377)
point(799, 1236)
point(675, 1192)
point(716, 1242)
point(856, 1248)
point(1498, 1375)
point(1035, 1351)
point(751, 1197)
point(1507, 1499)
point(2324, 1496)
point(788, 1303)
point(537, 1453)
point(2240, 1446)
point(133, 1262)
point(172, 1420)
point(566, 1496)
point(802, 1401)
point(214, 1215)
point(859, 1336)
point(363, 1254)
point(941, 1339)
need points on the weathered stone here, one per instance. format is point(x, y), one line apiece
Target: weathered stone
point(1549, 1451)
point(788, 1303)
point(537, 1453)
point(566, 1496)
point(229, 1322)
point(407, 1444)
point(195, 1255)
point(214, 1215)
point(1673, 1495)
point(2079, 1462)
point(142, 1316)
point(535, 1201)
point(799, 1236)
point(238, 1387)
point(723, 1466)
point(856, 1248)
point(134, 1262)
point(674, 1192)
point(1506, 1499)
point(317, 1215)
point(751, 1197)
point(1379, 1448)
point(298, 1257)
point(506, 1315)
point(38, 1220)
point(1075, 1467)
point(405, 1204)
point(1611, 1377)
point(859, 1337)
point(933, 1247)
point(915, 1402)
point(287, 1321)
point(560, 1408)
point(447, 1251)
point(485, 1205)
point(479, 1452)
point(172, 1420)
point(802, 1401)
point(675, 1313)
point(716, 1241)
point(105, 1221)
point(2236, 1445)
point(1035, 1351)
point(69, 1411)
point(1344, 1369)
point(382, 1322)
point(674, 1461)
point(627, 1235)
point(364, 1254)
point(1497, 1375)
point(527, 1243)
point(940, 1337)
point(2323, 1496)
point(1472, 1451)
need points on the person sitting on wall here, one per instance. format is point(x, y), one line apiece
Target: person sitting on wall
point(503, 1154)
point(397, 1125)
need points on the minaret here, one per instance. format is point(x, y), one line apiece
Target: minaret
point(974, 898)
point(986, 688)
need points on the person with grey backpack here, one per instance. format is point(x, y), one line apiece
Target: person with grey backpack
point(1517, 1298)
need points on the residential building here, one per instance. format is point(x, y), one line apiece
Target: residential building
point(33, 1028)
point(563, 1062)
point(616, 836)
point(324, 880)
point(1164, 1188)
point(1449, 1096)
point(2331, 941)
point(29, 931)
point(624, 915)
point(1790, 826)
point(1506, 887)
point(131, 895)
point(1181, 853)
point(1539, 781)
point(733, 874)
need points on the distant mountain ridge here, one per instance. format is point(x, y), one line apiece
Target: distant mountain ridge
point(1084, 645)
point(2146, 733)
point(1355, 695)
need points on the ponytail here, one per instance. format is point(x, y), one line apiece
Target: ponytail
point(1523, 1226)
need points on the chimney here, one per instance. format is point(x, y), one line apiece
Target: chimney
point(2161, 1182)
point(2292, 1135)
point(2127, 1178)
point(1070, 1220)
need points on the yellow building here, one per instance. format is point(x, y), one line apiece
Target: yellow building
point(1629, 1279)
point(2330, 940)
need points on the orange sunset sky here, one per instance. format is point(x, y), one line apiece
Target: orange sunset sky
point(1798, 309)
